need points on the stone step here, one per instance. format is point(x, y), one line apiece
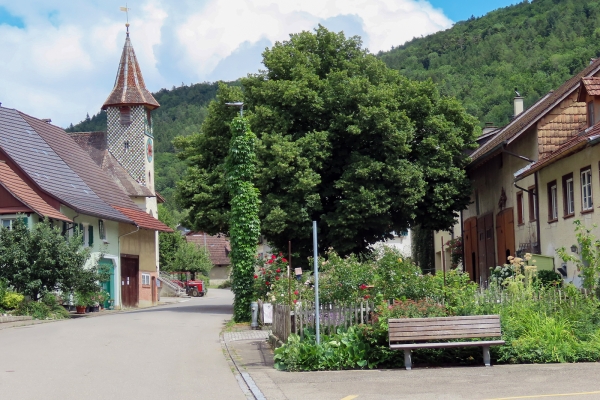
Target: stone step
point(14, 318)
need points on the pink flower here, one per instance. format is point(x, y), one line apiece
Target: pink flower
point(283, 259)
point(270, 262)
point(295, 301)
point(273, 256)
point(277, 277)
point(255, 276)
point(296, 292)
point(278, 270)
point(267, 283)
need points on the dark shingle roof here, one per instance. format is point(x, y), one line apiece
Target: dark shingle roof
point(22, 143)
point(526, 119)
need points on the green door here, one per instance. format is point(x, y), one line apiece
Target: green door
point(109, 284)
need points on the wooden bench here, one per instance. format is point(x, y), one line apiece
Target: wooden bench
point(443, 328)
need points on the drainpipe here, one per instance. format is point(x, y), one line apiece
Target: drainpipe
point(536, 198)
point(119, 255)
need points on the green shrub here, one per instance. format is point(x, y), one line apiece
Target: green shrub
point(225, 285)
point(41, 310)
point(11, 300)
point(549, 278)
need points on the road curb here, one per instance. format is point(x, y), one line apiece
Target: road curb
point(244, 379)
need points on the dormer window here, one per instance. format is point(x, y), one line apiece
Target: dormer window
point(125, 115)
point(590, 113)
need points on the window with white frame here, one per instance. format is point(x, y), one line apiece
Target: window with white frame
point(8, 222)
point(569, 197)
point(586, 189)
point(145, 279)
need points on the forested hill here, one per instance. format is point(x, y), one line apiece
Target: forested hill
point(533, 46)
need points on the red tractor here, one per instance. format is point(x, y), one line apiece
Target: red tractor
point(195, 288)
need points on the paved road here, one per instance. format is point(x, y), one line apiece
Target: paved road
point(168, 352)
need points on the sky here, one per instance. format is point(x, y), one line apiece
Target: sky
point(59, 58)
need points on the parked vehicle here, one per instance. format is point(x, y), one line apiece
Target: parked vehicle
point(195, 288)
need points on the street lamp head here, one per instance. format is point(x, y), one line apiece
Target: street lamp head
point(239, 104)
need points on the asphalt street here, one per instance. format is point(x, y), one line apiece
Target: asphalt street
point(166, 352)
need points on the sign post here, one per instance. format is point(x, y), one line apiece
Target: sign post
point(316, 267)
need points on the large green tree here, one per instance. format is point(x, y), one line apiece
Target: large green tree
point(41, 260)
point(342, 139)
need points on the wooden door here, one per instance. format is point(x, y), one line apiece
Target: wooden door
point(489, 246)
point(470, 247)
point(505, 234)
point(153, 289)
point(129, 281)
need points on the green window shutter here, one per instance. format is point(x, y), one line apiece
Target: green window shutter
point(64, 228)
point(25, 221)
point(81, 229)
point(91, 235)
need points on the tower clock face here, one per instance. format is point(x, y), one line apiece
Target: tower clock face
point(149, 150)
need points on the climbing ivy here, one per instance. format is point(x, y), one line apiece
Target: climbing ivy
point(244, 225)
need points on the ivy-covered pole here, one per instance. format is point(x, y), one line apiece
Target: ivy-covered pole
point(244, 225)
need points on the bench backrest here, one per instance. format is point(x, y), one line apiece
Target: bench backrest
point(441, 328)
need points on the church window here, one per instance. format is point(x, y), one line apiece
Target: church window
point(126, 146)
point(125, 115)
point(149, 117)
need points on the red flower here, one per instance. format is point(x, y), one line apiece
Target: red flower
point(267, 283)
point(270, 262)
point(276, 277)
point(362, 287)
point(295, 301)
point(280, 254)
point(367, 297)
point(255, 276)
point(296, 292)
point(283, 259)
point(278, 270)
point(273, 256)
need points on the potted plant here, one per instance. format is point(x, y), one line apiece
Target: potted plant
point(94, 302)
point(81, 302)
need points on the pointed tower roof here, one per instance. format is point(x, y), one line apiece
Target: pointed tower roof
point(130, 88)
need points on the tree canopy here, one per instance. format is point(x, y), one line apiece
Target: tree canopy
point(342, 139)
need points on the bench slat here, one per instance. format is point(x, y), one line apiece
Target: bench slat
point(409, 322)
point(491, 332)
point(454, 319)
point(447, 344)
point(444, 337)
point(396, 328)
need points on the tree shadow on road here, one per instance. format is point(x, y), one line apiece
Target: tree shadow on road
point(192, 309)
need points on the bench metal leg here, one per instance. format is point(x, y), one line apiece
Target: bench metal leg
point(407, 359)
point(486, 355)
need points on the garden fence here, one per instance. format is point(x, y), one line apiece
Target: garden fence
point(295, 319)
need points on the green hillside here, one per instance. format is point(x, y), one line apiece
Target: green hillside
point(533, 46)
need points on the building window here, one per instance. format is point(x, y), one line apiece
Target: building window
point(476, 202)
point(125, 115)
point(8, 223)
point(126, 146)
point(568, 195)
point(552, 202)
point(520, 209)
point(101, 231)
point(532, 203)
point(146, 279)
point(590, 109)
point(586, 189)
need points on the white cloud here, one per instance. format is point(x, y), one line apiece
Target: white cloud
point(63, 62)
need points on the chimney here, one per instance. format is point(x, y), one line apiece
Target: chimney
point(518, 104)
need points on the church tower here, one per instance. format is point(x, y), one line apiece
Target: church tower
point(129, 118)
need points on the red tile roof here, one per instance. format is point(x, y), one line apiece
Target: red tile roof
point(19, 189)
point(218, 246)
point(130, 88)
point(143, 219)
point(530, 116)
point(590, 86)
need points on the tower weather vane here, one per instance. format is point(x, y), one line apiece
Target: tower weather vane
point(126, 11)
